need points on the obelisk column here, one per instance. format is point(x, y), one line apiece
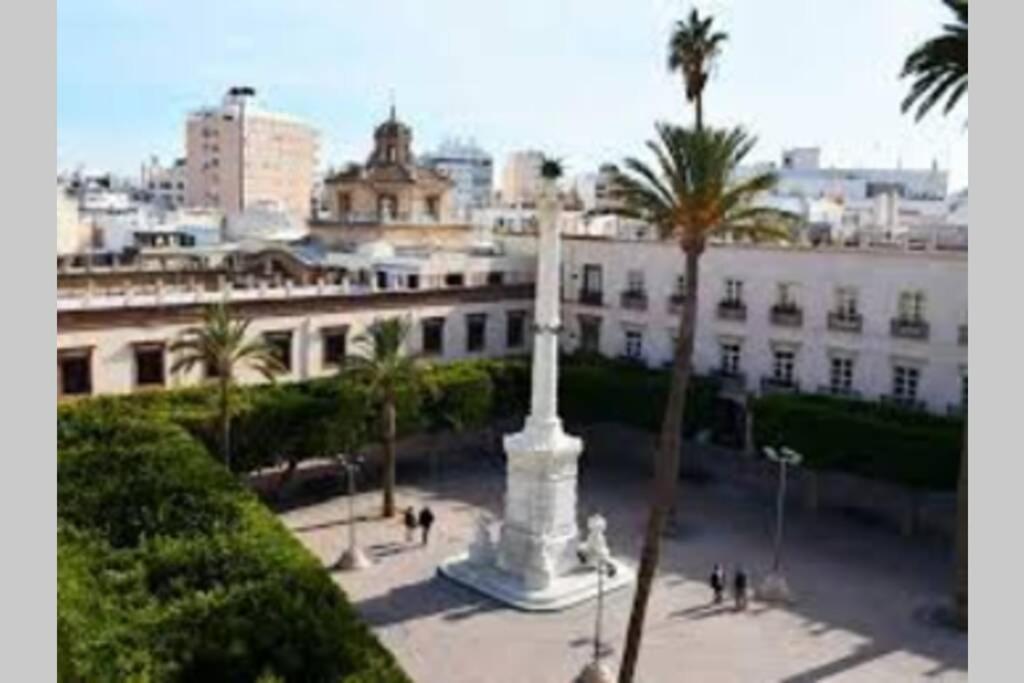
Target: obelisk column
point(539, 535)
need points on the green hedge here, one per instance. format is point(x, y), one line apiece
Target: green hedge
point(871, 440)
point(168, 570)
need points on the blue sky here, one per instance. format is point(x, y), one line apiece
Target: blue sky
point(582, 79)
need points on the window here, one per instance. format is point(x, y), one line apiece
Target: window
point(846, 303)
point(963, 391)
point(454, 280)
point(782, 366)
point(730, 358)
point(149, 365)
point(495, 278)
point(433, 335)
point(734, 291)
point(904, 383)
point(335, 345)
point(344, 204)
point(412, 281)
point(74, 372)
point(787, 295)
point(382, 279)
point(432, 207)
point(590, 334)
point(281, 345)
point(841, 375)
point(911, 306)
point(592, 278)
point(634, 344)
point(476, 332)
point(515, 329)
point(635, 282)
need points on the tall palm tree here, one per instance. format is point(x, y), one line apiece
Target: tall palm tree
point(219, 346)
point(939, 69)
point(692, 50)
point(939, 66)
point(690, 195)
point(380, 358)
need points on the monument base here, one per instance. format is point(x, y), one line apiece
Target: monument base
point(573, 588)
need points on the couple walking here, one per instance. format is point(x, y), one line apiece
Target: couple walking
point(739, 586)
point(424, 522)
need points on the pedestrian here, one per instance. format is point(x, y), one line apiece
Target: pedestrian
point(739, 585)
point(718, 582)
point(409, 520)
point(426, 520)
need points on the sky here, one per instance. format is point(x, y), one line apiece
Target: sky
point(584, 80)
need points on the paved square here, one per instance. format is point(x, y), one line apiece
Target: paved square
point(858, 588)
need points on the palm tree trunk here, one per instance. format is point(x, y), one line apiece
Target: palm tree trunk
point(225, 422)
point(960, 572)
point(666, 471)
point(698, 107)
point(389, 456)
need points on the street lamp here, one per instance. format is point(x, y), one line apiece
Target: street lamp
point(595, 552)
point(353, 559)
point(774, 587)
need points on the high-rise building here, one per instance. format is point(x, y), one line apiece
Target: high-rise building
point(520, 178)
point(238, 155)
point(472, 171)
point(164, 185)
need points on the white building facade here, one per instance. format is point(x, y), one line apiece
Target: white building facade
point(877, 324)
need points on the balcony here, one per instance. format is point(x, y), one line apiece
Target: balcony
point(634, 300)
point(905, 328)
point(961, 335)
point(591, 297)
point(675, 304)
point(777, 385)
point(786, 315)
point(845, 322)
point(732, 310)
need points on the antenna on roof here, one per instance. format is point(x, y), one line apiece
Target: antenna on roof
point(391, 96)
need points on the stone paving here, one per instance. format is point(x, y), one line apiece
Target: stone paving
point(860, 593)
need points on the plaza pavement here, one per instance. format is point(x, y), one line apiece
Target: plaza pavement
point(860, 592)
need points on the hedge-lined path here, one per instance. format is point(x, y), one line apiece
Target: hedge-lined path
point(860, 591)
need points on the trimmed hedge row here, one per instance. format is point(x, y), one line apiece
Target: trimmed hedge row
point(871, 440)
point(168, 570)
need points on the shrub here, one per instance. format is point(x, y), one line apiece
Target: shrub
point(870, 440)
point(168, 570)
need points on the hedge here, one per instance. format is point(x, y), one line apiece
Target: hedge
point(168, 570)
point(871, 440)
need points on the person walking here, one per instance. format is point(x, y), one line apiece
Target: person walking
point(409, 520)
point(426, 520)
point(717, 582)
point(739, 586)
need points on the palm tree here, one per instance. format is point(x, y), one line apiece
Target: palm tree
point(692, 50)
point(387, 369)
point(939, 66)
point(691, 195)
point(220, 347)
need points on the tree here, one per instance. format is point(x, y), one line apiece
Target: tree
point(380, 358)
point(939, 69)
point(220, 347)
point(690, 195)
point(692, 50)
point(938, 66)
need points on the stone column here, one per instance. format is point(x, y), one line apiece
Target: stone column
point(539, 537)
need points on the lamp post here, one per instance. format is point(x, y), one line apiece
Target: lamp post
point(595, 552)
point(774, 587)
point(353, 559)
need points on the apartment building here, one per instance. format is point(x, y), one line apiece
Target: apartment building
point(885, 324)
point(238, 155)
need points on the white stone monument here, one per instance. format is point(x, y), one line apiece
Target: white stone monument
point(536, 564)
